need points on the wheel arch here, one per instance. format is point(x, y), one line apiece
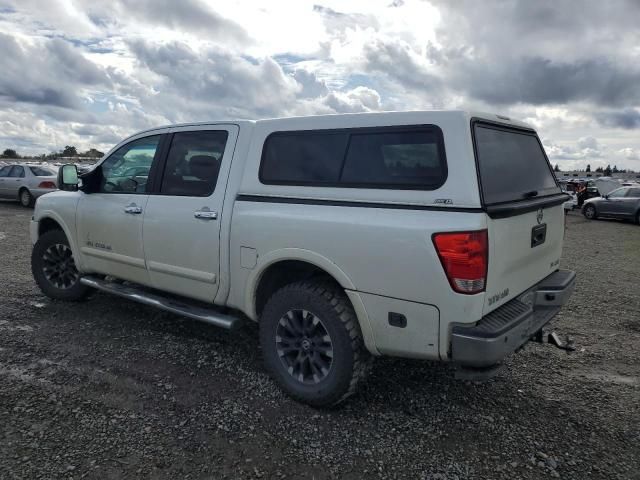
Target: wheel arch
point(46, 224)
point(289, 265)
point(50, 220)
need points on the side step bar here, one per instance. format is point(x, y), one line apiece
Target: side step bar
point(141, 295)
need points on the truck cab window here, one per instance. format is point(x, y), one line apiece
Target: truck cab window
point(127, 169)
point(193, 163)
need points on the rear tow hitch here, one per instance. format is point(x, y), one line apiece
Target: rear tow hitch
point(553, 338)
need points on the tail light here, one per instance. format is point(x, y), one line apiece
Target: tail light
point(47, 185)
point(464, 257)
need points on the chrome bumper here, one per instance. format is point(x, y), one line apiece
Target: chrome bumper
point(507, 328)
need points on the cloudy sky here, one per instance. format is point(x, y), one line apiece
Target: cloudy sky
point(88, 73)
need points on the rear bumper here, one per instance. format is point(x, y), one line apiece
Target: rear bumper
point(507, 328)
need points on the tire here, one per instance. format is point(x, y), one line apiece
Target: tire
point(54, 270)
point(25, 198)
point(638, 217)
point(316, 320)
point(590, 212)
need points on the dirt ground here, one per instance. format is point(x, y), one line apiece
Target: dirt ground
point(111, 389)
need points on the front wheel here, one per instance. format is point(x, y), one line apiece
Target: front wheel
point(590, 212)
point(54, 269)
point(312, 344)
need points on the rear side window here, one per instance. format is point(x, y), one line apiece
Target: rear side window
point(41, 172)
point(512, 165)
point(303, 158)
point(390, 157)
point(634, 193)
point(193, 163)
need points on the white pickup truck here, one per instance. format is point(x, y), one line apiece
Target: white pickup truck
point(433, 235)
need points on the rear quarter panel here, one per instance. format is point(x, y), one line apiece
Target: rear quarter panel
point(381, 251)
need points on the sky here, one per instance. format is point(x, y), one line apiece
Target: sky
point(90, 73)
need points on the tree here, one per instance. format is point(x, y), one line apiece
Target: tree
point(93, 153)
point(599, 169)
point(10, 153)
point(556, 168)
point(607, 171)
point(69, 151)
point(615, 169)
point(588, 169)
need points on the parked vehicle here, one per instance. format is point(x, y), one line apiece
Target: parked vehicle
point(622, 203)
point(25, 183)
point(344, 236)
point(572, 203)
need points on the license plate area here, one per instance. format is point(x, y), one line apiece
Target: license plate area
point(538, 235)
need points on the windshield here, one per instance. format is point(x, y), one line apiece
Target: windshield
point(512, 165)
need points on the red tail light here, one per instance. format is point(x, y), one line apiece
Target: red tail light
point(464, 257)
point(47, 185)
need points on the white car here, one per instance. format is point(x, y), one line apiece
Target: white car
point(345, 237)
point(25, 183)
point(572, 203)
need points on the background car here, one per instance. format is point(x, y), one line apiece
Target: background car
point(620, 203)
point(572, 202)
point(25, 183)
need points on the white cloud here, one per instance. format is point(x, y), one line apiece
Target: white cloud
point(89, 72)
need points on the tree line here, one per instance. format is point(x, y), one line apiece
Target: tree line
point(604, 171)
point(67, 151)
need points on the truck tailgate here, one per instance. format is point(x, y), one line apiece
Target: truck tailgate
point(523, 249)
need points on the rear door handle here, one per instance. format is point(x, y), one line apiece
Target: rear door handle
point(132, 209)
point(205, 214)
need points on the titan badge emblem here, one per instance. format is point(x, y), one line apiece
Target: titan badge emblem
point(540, 216)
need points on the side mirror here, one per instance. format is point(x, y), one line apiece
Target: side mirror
point(68, 178)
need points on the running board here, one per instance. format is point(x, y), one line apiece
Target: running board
point(141, 295)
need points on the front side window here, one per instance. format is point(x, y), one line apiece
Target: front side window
point(386, 157)
point(4, 171)
point(127, 169)
point(193, 163)
point(619, 193)
point(17, 172)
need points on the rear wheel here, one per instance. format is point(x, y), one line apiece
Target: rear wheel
point(590, 212)
point(54, 269)
point(25, 197)
point(311, 343)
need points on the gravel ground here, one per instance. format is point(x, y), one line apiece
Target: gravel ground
point(112, 389)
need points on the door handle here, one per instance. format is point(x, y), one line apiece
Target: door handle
point(133, 209)
point(205, 214)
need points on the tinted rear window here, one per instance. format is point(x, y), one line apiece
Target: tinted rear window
point(391, 157)
point(303, 158)
point(512, 165)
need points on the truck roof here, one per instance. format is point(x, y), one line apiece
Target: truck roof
point(396, 115)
